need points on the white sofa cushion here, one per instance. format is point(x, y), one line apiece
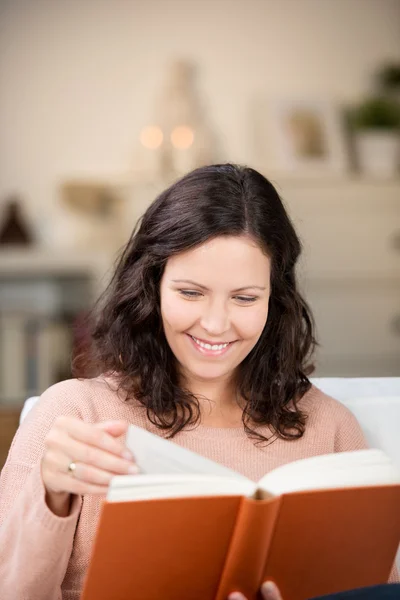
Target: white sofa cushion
point(379, 417)
point(345, 388)
point(375, 402)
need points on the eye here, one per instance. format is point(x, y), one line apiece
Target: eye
point(246, 299)
point(190, 294)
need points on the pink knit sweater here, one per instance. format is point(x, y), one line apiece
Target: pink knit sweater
point(45, 557)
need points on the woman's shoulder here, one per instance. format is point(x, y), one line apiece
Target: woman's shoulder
point(83, 386)
point(75, 397)
point(329, 417)
point(320, 405)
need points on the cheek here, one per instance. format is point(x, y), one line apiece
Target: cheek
point(174, 315)
point(250, 323)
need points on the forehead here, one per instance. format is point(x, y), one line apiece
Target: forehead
point(235, 261)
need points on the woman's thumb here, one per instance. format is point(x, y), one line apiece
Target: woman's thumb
point(269, 591)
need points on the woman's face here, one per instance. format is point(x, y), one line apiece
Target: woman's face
point(214, 305)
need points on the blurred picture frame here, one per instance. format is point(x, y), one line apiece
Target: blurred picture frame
point(308, 137)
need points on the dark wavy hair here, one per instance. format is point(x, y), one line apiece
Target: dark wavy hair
point(127, 336)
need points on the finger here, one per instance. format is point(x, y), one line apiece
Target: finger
point(236, 596)
point(56, 465)
point(80, 488)
point(89, 434)
point(269, 591)
point(114, 428)
point(81, 452)
point(93, 475)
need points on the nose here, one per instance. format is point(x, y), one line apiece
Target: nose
point(215, 318)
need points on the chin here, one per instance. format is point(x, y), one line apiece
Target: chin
point(208, 374)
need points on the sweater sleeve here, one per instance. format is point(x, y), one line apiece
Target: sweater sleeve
point(35, 544)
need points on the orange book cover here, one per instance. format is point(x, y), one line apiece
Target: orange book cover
point(309, 543)
point(314, 543)
point(315, 526)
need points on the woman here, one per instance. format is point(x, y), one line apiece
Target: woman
point(202, 336)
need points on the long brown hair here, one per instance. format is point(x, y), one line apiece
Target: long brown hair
point(127, 333)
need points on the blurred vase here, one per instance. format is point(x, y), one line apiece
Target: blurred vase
point(378, 153)
point(14, 228)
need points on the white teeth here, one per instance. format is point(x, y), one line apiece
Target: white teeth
point(209, 346)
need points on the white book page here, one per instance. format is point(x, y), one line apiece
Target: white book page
point(155, 455)
point(149, 487)
point(331, 471)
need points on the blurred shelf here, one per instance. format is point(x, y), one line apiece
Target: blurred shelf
point(27, 261)
point(131, 181)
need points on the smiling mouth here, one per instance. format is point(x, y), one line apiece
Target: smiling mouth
point(208, 346)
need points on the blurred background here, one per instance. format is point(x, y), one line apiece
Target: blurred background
point(103, 104)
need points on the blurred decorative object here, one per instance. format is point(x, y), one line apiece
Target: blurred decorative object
point(309, 138)
point(14, 229)
point(388, 79)
point(96, 200)
point(180, 139)
point(95, 214)
point(396, 325)
point(151, 137)
point(376, 126)
point(395, 241)
point(377, 113)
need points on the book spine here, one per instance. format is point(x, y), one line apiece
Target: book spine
point(31, 335)
point(33, 351)
point(245, 562)
point(12, 357)
point(46, 356)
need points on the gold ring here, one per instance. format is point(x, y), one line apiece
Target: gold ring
point(71, 467)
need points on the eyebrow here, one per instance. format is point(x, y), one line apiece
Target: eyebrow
point(203, 287)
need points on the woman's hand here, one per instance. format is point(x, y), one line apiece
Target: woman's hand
point(269, 591)
point(82, 458)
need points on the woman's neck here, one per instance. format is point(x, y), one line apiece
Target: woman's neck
point(218, 402)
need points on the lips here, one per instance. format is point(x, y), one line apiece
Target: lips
point(206, 349)
point(209, 345)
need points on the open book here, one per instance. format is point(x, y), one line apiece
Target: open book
point(188, 528)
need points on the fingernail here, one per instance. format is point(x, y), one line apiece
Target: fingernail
point(236, 596)
point(133, 469)
point(269, 590)
point(128, 455)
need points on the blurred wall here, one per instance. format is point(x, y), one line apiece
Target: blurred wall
point(78, 77)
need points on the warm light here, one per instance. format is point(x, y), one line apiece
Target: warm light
point(151, 137)
point(182, 137)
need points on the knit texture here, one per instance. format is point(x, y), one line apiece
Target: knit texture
point(45, 557)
